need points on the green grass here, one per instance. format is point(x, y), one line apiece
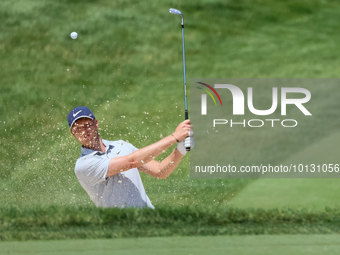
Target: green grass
point(313, 193)
point(296, 193)
point(126, 65)
point(52, 223)
point(261, 245)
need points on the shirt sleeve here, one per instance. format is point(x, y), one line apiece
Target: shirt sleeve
point(92, 170)
point(133, 148)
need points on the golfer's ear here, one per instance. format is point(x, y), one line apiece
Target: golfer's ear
point(72, 130)
point(96, 121)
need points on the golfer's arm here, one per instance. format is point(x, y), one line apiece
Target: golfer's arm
point(162, 169)
point(139, 157)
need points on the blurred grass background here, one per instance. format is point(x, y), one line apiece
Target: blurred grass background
point(126, 65)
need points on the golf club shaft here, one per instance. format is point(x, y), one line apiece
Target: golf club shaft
point(186, 113)
point(185, 82)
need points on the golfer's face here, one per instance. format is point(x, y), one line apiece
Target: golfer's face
point(85, 131)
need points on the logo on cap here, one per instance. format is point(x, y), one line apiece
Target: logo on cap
point(75, 114)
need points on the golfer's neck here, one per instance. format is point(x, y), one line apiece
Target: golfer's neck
point(98, 145)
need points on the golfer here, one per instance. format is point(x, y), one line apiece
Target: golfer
point(108, 170)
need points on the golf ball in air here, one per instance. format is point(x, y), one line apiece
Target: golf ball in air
point(74, 35)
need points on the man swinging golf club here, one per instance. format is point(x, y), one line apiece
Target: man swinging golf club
point(108, 170)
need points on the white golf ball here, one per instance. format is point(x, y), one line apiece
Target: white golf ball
point(74, 35)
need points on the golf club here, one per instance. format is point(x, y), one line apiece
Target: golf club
point(177, 12)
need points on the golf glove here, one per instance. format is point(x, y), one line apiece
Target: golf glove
point(187, 142)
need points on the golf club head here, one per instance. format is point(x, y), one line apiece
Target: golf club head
point(175, 11)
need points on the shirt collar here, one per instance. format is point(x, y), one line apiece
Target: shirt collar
point(85, 151)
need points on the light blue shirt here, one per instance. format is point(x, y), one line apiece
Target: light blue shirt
point(124, 189)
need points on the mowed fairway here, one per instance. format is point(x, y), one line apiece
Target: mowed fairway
point(255, 245)
point(313, 193)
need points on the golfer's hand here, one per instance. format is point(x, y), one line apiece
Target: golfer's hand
point(183, 130)
point(187, 142)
